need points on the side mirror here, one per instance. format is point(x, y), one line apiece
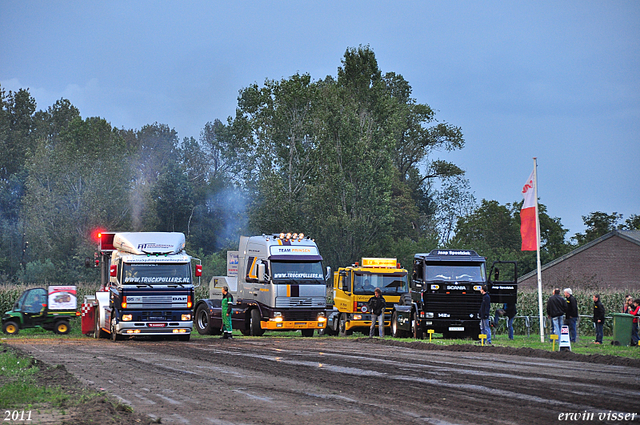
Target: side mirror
point(261, 270)
point(198, 270)
point(113, 270)
point(328, 275)
point(497, 274)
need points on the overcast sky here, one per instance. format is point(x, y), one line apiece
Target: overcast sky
point(559, 81)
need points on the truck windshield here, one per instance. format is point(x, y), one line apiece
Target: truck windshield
point(455, 272)
point(161, 274)
point(305, 272)
point(389, 284)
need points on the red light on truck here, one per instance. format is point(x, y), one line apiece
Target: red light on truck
point(189, 302)
point(124, 302)
point(198, 270)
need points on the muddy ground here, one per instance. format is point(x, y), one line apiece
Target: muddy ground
point(339, 381)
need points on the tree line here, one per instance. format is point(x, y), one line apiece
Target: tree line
point(350, 160)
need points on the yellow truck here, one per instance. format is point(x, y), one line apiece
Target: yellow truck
point(353, 286)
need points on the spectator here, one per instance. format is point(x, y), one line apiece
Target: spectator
point(598, 318)
point(377, 305)
point(572, 314)
point(556, 307)
point(635, 310)
point(511, 313)
point(485, 308)
point(628, 300)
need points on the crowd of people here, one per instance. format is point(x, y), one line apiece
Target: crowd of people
point(564, 310)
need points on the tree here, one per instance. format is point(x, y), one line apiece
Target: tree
point(598, 224)
point(77, 183)
point(493, 230)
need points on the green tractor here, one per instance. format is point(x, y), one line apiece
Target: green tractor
point(32, 310)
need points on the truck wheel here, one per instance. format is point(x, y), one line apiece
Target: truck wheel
point(254, 324)
point(395, 332)
point(61, 327)
point(97, 331)
point(11, 328)
point(342, 326)
point(415, 326)
point(307, 333)
point(203, 321)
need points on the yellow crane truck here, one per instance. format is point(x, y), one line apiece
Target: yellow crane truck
point(353, 286)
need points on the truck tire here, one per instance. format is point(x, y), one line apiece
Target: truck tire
point(395, 332)
point(307, 333)
point(11, 328)
point(97, 330)
point(342, 326)
point(254, 323)
point(62, 327)
point(203, 321)
point(415, 327)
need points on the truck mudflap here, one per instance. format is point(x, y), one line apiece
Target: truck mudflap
point(403, 317)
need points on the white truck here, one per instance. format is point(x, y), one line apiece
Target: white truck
point(147, 287)
point(278, 283)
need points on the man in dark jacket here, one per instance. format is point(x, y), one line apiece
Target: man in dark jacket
point(377, 305)
point(556, 307)
point(572, 314)
point(485, 307)
point(598, 318)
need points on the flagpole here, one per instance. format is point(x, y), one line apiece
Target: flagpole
point(535, 187)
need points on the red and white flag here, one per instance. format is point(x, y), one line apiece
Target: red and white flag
point(528, 217)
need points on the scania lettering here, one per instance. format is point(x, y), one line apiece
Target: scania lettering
point(278, 284)
point(445, 292)
point(353, 286)
point(147, 287)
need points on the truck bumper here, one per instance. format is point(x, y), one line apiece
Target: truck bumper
point(154, 328)
point(292, 325)
point(360, 324)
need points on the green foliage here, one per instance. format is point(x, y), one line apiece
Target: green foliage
point(493, 230)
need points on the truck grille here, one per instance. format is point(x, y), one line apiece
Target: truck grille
point(300, 302)
point(458, 306)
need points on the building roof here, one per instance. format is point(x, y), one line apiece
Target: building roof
point(632, 236)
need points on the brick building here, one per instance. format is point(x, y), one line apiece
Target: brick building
point(611, 261)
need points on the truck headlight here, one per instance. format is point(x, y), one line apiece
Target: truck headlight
point(357, 317)
point(429, 315)
point(185, 317)
point(127, 317)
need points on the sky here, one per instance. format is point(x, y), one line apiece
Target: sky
point(559, 81)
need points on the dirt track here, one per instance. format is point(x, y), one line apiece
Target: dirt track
point(337, 381)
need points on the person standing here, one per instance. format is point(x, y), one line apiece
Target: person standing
point(556, 307)
point(511, 314)
point(628, 300)
point(572, 314)
point(227, 307)
point(485, 307)
point(598, 318)
point(635, 310)
point(377, 305)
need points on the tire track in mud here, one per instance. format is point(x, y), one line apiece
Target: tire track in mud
point(336, 381)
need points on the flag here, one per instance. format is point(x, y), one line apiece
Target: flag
point(528, 217)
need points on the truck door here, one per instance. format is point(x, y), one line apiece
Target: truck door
point(34, 307)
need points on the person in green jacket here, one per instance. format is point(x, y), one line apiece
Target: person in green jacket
point(227, 303)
